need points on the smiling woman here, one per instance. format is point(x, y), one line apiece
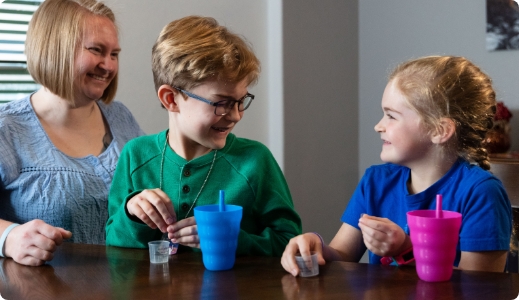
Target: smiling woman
point(60, 144)
point(96, 59)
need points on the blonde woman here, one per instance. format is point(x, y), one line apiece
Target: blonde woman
point(60, 145)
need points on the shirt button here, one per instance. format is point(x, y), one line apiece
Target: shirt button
point(185, 206)
point(186, 189)
point(187, 172)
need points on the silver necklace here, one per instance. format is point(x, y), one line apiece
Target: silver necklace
point(162, 173)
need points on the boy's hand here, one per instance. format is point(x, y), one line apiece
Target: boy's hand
point(154, 208)
point(34, 242)
point(185, 232)
point(382, 236)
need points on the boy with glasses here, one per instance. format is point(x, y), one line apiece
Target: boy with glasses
point(202, 73)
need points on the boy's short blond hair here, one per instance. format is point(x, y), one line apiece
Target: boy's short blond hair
point(194, 49)
point(54, 36)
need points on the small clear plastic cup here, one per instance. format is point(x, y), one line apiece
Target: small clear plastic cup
point(159, 252)
point(308, 268)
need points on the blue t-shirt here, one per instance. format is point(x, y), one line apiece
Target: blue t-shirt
point(38, 181)
point(468, 189)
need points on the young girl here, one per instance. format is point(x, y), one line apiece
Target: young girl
point(437, 111)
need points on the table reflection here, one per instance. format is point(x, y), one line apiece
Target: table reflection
point(97, 272)
point(44, 283)
point(219, 285)
point(159, 274)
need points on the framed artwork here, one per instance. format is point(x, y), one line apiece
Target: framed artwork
point(502, 25)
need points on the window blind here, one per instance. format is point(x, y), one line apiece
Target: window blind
point(15, 81)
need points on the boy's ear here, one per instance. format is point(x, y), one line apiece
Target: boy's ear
point(168, 97)
point(444, 132)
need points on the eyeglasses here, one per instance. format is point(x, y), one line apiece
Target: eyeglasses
point(221, 108)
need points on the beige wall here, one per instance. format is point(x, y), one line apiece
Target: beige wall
point(320, 59)
point(393, 31)
point(306, 107)
point(140, 23)
point(324, 70)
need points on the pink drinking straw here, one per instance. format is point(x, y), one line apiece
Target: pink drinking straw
point(439, 212)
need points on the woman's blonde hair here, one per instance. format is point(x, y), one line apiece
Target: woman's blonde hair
point(54, 37)
point(193, 49)
point(451, 87)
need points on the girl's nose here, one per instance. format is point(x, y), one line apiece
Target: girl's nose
point(379, 127)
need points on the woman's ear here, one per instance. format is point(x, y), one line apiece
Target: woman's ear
point(168, 97)
point(444, 131)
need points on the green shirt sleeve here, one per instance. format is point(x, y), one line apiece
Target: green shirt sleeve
point(121, 230)
point(273, 209)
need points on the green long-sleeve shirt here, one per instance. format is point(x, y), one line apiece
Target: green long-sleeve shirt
point(245, 169)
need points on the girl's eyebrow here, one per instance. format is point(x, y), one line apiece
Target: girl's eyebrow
point(389, 109)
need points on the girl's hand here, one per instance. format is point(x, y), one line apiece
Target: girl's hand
point(304, 244)
point(154, 208)
point(382, 236)
point(34, 242)
point(185, 232)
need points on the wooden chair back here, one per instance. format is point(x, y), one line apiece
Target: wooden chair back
point(507, 170)
point(508, 173)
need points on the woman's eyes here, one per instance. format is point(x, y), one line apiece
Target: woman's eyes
point(98, 50)
point(390, 116)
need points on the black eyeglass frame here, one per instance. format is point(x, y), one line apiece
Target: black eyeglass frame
point(223, 104)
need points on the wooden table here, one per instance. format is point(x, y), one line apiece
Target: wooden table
point(96, 272)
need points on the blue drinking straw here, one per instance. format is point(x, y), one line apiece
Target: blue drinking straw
point(222, 200)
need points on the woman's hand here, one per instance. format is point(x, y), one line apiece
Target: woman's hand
point(382, 236)
point(34, 242)
point(154, 208)
point(185, 232)
point(303, 244)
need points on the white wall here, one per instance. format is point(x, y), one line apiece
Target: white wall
point(140, 23)
point(305, 113)
point(393, 31)
point(324, 70)
point(320, 60)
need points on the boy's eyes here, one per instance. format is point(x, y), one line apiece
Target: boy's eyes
point(227, 103)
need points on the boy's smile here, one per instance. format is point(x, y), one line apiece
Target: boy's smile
point(194, 128)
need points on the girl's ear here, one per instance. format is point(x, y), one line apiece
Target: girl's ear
point(444, 131)
point(168, 97)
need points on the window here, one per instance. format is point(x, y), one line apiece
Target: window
point(15, 81)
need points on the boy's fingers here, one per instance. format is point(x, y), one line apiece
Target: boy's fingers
point(167, 210)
